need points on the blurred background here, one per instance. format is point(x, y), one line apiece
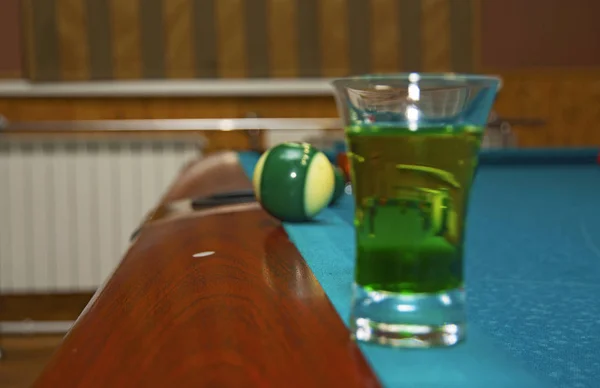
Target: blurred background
point(71, 192)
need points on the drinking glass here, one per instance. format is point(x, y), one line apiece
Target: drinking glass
point(413, 141)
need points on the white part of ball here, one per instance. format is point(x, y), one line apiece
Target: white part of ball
point(319, 184)
point(258, 173)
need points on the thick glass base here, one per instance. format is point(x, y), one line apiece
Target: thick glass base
point(408, 320)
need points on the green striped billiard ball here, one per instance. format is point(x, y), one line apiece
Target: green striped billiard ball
point(340, 185)
point(294, 181)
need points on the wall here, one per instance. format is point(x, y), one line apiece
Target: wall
point(546, 51)
point(11, 64)
point(539, 34)
point(80, 40)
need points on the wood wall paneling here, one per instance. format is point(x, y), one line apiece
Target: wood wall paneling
point(385, 33)
point(550, 67)
point(570, 107)
point(31, 109)
point(359, 34)
point(11, 45)
point(73, 39)
point(282, 38)
point(256, 37)
point(98, 35)
point(533, 34)
point(273, 38)
point(73, 48)
point(334, 41)
point(542, 78)
point(435, 35)
point(204, 38)
point(156, 108)
point(125, 36)
point(231, 53)
point(153, 31)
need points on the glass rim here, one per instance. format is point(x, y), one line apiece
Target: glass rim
point(416, 77)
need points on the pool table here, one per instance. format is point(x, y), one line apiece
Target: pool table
point(229, 296)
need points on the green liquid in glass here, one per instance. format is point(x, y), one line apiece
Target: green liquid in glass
point(411, 190)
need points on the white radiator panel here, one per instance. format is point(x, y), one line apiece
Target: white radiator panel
point(67, 209)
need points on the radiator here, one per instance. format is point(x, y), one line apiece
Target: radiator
point(68, 208)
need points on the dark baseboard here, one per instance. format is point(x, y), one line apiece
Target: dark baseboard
point(43, 307)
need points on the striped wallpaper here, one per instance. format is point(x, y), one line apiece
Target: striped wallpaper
point(156, 39)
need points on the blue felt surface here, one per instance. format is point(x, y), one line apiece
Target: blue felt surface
point(532, 277)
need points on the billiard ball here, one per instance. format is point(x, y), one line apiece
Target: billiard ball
point(344, 164)
point(293, 181)
point(340, 185)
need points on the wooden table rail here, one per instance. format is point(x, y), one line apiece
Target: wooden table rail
point(216, 298)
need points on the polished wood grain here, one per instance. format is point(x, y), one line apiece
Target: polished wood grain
point(249, 312)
